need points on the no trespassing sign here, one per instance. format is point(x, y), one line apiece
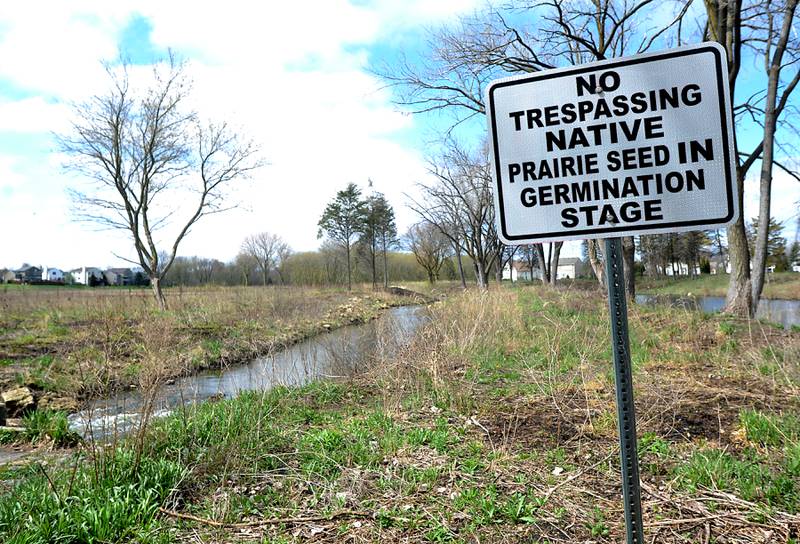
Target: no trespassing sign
point(628, 146)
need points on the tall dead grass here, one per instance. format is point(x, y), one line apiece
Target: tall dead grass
point(436, 358)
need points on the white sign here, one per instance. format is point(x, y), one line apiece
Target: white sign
point(628, 146)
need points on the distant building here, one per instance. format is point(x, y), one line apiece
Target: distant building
point(119, 276)
point(570, 268)
point(7, 276)
point(28, 274)
point(720, 265)
point(85, 274)
point(53, 274)
point(520, 271)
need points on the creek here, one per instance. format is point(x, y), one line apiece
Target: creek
point(783, 312)
point(337, 354)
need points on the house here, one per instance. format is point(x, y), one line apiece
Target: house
point(28, 274)
point(7, 276)
point(520, 271)
point(53, 275)
point(570, 268)
point(85, 274)
point(720, 265)
point(681, 269)
point(118, 276)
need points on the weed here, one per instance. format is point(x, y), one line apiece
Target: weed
point(653, 444)
point(117, 504)
point(598, 526)
point(749, 477)
point(46, 424)
point(769, 429)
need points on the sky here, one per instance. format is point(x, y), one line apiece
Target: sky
point(295, 77)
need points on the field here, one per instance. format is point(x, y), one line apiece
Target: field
point(71, 343)
point(496, 424)
point(782, 285)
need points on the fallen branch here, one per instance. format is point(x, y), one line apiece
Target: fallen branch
point(272, 521)
point(577, 475)
point(689, 520)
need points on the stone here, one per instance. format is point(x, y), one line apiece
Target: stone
point(58, 404)
point(2, 413)
point(18, 400)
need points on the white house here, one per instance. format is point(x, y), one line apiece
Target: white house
point(570, 268)
point(84, 274)
point(681, 269)
point(519, 271)
point(119, 276)
point(52, 274)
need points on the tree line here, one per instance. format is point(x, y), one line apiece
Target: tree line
point(526, 37)
point(136, 146)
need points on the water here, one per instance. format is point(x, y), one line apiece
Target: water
point(784, 312)
point(342, 352)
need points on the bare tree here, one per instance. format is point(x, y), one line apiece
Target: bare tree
point(762, 28)
point(505, 257)
point(267, 250)
point(530, 256)
point(466, 57)
point(149, 158)
point(429, 246)
point(244, 265)
point(777, 45)
point(460, 205)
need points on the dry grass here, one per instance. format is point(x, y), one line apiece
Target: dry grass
point(497, 423)
point(87, 342)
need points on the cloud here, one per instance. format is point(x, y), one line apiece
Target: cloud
point(292, 76)
point(784, 204)
point(35, 114)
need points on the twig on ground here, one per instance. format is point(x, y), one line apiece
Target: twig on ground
point(272, 521)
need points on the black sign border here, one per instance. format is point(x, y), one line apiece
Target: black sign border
point(604, 66)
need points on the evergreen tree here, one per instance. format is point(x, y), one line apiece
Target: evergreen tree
point(342, 221)
point(379, 233)
point(776, 243)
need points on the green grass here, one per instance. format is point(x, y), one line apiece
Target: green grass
point(770, 429)
point(439, 453)
point(780, 285)
point(43, 425)
point(768, 474)
point(116, 503)
point(748, 475)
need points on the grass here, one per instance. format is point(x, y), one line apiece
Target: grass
point(86, 342)
point(496, 424)
point(116, 502)
point(780, 285)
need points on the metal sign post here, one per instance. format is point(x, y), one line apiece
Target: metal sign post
point(620, 147)
point(626, 413)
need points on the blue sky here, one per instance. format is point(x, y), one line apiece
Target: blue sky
point(303, 92)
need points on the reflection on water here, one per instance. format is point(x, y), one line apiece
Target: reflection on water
point(785, 312)
point(342, 352)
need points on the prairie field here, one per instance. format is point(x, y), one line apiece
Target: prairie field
point(496, 423)
point(781, 285)
point(80, 343)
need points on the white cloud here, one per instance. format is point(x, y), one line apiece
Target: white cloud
point(292, 75)
point(33, 114)
point(784, 204)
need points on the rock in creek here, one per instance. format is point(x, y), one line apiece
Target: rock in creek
point(18, 400)
point(63, 404)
